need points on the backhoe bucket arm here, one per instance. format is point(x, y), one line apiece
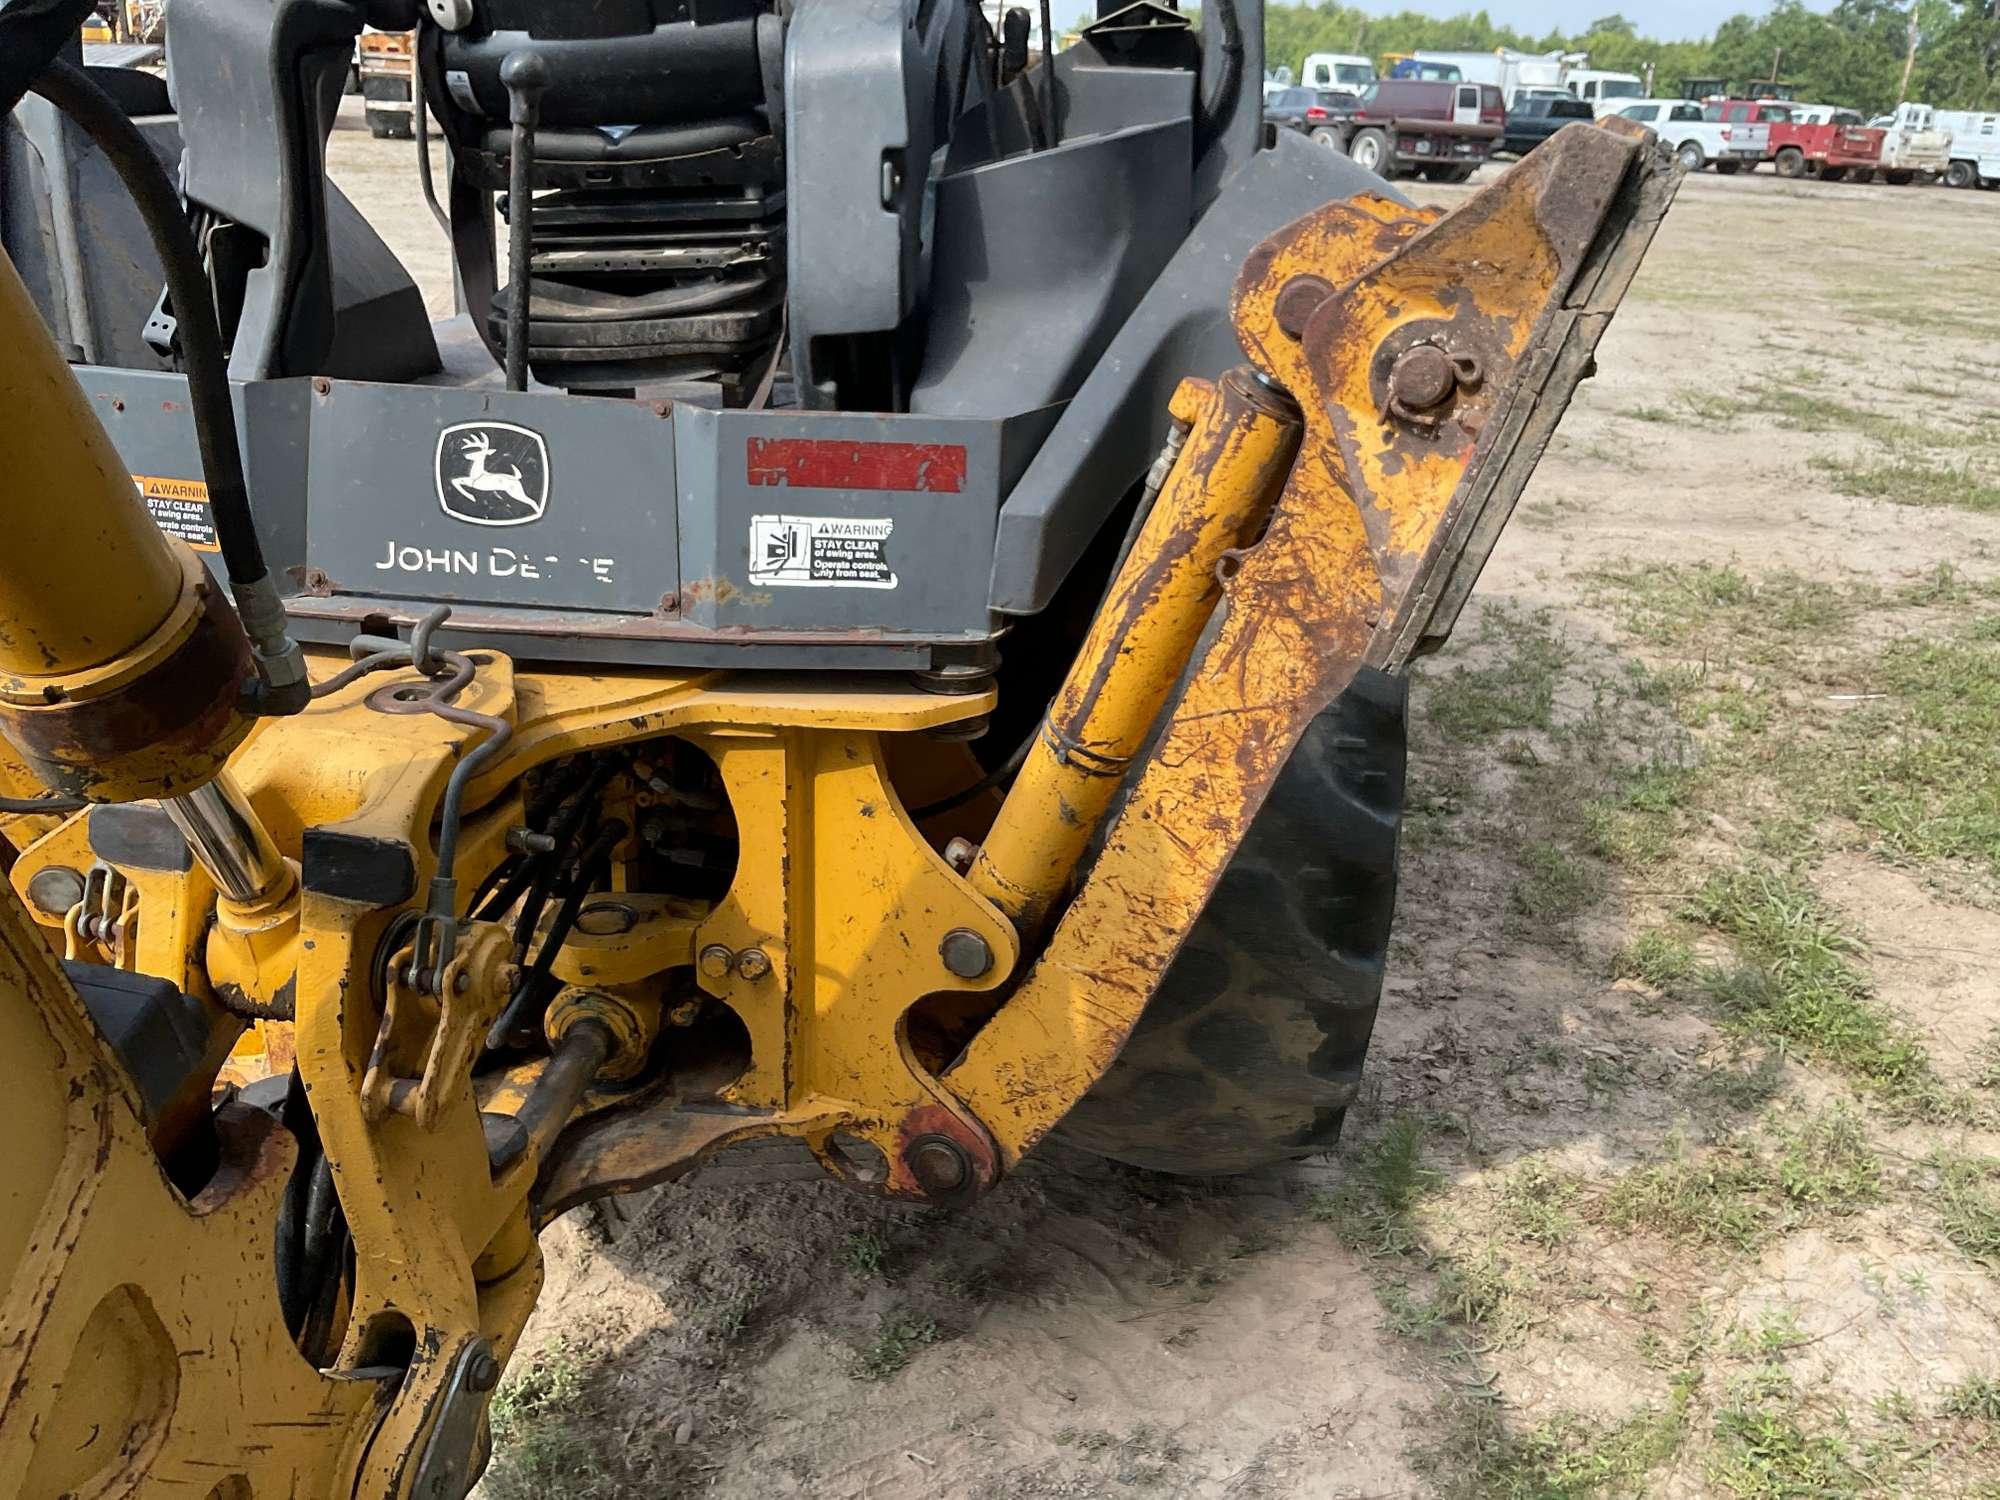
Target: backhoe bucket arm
point(1431, 358)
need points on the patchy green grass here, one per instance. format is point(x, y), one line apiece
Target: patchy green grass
point(1919, 769)
point(1799, 983)
point(1539, 1205)
point(1516, 692)
point(1658, 957)
point(537, 1455)
point(1764, 1449)
point(1681, 604)
point(895, 1344)
point(1555, 885)
point(1967, 1203)
point(1911, 479)
point(1748, 1187)
point(1370, 1209)
point(1974, 1399)
point(864, 1252)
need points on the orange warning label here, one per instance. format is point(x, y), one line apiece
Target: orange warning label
point(180, 509)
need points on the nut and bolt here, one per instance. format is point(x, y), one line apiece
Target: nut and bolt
point(966, 953)
point(939, 1164)
point(716, 961)
point(959, 854)
point(483, 1372)
point(527, 841)
point(752, 963)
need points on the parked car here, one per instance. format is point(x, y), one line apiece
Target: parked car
point(1440, 130)
point(1975, 148)
point(1311, 112)
point(1532, 121)
point(1697, 141)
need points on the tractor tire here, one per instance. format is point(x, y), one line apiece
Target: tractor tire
point(1898, 179)
point(1370, 149)
point(1791, 162)
point(1690, 157)
point(1961, 174)
point(1251, 1050)
point(1326, 136)
point(1728, 168)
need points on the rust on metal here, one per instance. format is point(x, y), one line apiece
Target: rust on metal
point(1381, 528)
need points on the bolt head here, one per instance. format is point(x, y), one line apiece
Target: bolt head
point(939, 1165)
point(966, 953)
point(1422, 377)
point(752, 963)
point(55, 889)
point(716, 961)
point(483, 1373)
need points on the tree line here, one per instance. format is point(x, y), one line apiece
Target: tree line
point(1854, 54)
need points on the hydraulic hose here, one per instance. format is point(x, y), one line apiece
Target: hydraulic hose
point(283, 687)
point(1226, 85)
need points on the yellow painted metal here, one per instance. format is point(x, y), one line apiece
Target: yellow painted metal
point(71, 514)
point(1238, 450)
point(140, 1338)
point(1377, 536)
point(135, 1362)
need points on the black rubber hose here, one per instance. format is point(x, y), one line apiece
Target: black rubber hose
point(1221, 102)
point(70, 90)
point(29, 805)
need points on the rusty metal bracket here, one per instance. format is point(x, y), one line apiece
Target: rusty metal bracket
point(1431, 358)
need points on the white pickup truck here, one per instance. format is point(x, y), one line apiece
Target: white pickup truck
point(1915, 145)
point(1694, 139)
point(1975, 148)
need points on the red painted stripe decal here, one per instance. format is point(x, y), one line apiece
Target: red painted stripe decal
point(833, 464)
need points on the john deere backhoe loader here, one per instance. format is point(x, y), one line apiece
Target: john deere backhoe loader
point(880, 621)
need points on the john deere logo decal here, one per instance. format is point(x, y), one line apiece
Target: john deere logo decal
point(492, 473)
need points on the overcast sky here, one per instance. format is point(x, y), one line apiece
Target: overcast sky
point(1681, 20)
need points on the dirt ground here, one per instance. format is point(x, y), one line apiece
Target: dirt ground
point(1679, 1168)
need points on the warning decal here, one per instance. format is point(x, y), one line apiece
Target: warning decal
point(824, 552)
point(180, 509)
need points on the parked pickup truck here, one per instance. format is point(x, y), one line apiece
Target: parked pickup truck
point(1441, 130)
point(1694, 139)
point(1532, 121)
point(1747, 125)
point(1914, 146)
point(1824, 142)
point(1975, 148)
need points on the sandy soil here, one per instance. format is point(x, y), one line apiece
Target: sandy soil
point(1095, 1331)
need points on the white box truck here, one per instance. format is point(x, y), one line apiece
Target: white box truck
point(1507, 70)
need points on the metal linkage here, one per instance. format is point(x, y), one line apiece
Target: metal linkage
point(451, 673)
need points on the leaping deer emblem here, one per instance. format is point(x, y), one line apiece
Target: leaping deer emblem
point(499, 483)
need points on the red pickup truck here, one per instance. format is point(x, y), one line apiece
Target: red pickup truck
point(1824, 142)
point(1442, 130)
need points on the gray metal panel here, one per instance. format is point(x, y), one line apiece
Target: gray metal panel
point(1096, 98)
point(938, 546)
point(1038, 261)
point(385, 461)
point(98, 274)
point(146, 413)
point(1109, 435)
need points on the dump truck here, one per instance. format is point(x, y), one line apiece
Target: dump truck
point(880, 623)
